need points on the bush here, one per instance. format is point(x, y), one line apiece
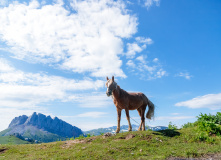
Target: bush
point(210, 118)
point(172, 126)
point(187, 125)
point(210, 123)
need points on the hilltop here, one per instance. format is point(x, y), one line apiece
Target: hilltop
point(165, 144)
point(198, 140)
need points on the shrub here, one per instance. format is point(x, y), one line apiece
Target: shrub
point(172, 126)
point(187, 125)
point(209, 123)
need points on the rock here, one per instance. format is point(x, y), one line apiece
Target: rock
point(108, 134)
point(18, 121)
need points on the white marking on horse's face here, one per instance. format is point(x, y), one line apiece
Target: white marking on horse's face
point(109, 85)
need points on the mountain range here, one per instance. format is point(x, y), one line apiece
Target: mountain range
point(124, 128)
point(41, 128)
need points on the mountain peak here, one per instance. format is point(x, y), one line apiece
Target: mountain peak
point(46, 123)
point(18, 121)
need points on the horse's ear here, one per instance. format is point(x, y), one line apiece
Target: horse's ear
point(107, 78)
point(112, 78)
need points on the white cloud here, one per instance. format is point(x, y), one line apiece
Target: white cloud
point(92, 100)
point(185, 75)
point(132, 49)
point(175, 114)
point(149, 3)
point(210, 101)
point(155, 60)
point(130, 63)
point(93, 114)
point(148, 41)
point(25, 90)
point(169, 118)
point(3, 3)
point(4, 66)
point(145, 69)
point(138, 46)
point(85, 39)
point(141, 59)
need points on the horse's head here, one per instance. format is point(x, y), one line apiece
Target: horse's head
point(111, 86)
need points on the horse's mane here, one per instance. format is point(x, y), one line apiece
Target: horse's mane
point(122, 92)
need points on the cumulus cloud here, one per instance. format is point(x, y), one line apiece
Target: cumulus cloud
point(86, 38)
point(210, 101)
point(149, 3)
point(25, 90)
point(186, 75)
point(145, 69)
point(138, 46)
point(144, 40)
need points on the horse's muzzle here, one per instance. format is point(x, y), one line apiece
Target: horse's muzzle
point(108, 94)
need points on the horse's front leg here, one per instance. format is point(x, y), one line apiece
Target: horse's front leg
point(128, 119)
point(118, 120)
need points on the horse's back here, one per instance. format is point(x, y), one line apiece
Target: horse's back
point(137, 99)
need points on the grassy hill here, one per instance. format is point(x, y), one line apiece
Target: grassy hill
point(201, 139)
point(129, 145)
point(35, 134)
point(11, 140)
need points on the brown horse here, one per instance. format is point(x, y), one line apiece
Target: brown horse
point(129, 101)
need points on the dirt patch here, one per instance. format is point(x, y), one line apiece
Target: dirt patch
point(2, 150)
point(129, 136)
point(215, 156)
point(67, 144)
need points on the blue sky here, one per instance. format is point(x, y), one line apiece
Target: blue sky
point(55, 56)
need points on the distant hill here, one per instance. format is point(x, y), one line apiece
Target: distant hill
point(41, 128)
point(123, 128)
point(12, 140)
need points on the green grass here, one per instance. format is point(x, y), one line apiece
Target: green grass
point(42, 136)
point(144, 145)
point(11, 140)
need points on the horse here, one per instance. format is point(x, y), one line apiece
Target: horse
point(129, 101)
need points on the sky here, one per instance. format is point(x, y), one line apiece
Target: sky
point(55, 56)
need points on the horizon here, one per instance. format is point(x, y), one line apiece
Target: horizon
point(137, 125)
point(55, 56)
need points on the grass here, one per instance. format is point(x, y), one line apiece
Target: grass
point(11, 140)
point(140, 145)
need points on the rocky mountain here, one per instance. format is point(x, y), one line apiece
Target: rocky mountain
point(42, 128)
point(124, 128)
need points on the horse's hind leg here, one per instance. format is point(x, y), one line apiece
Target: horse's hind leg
point(142, 117)
point(140, 127)
point(128, 119)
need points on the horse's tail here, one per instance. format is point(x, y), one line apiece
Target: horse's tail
point(151, 107)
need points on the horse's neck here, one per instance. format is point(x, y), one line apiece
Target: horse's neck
point(116, 93)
